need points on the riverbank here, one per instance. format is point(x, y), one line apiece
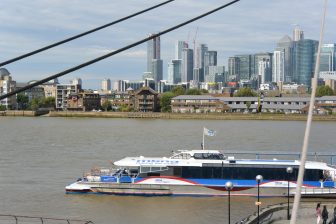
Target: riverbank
point(223, 116)
point(176, 116)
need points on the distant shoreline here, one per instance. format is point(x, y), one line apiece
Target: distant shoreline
point(176, 116)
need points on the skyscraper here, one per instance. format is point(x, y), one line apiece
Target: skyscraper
point(286, 45)
point(153, 51)
point(210, 59)
point(174, 71)
point(264, 70)
point(199, 61)
point(278, 66)
point(233, 67)
point(157, 68)
point(328, 58)
point(262, 57)
point(187, 65)
point(245, 64)
point(304, 58)
point(106, 85)
point(179, 46)
point(298, 34)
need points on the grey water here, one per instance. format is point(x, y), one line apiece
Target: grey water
point(40, 156)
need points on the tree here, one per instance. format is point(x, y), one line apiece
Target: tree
point(193, 91)
point(35, 104)
point(245, 92)
point(2, 107)
point(22, 101)
point(248, 105)
point(179, 90)
point(204, 91)
point(48, 102)
point(324, 91)
point(107, 105)
point(165, 101)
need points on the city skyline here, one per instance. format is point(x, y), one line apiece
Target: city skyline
point(257, 31)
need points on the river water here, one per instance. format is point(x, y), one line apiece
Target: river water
point(40, 156)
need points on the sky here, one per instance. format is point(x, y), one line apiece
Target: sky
point(249, 26)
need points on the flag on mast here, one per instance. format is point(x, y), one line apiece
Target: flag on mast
point(209, 132)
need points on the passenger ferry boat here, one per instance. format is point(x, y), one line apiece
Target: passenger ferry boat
point(202, 173)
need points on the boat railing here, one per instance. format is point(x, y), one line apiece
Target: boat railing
point(328, 157)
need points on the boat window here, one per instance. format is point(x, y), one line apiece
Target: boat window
point(182, 156)
point(148, 169)
point(248, 173)
point(213, 156)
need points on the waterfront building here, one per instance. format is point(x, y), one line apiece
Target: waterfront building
point(63, 92)
point(187, 65)
point(197, 104)
point(146, 100)
point(83, 101)
point(304, 56)
point(179, 46)
point(278, 66)
point(328, 58)
point(32, 93)
point(7, 85)
point(157, 71)
point(174, 71)
point(106, 84)
point(50, 88)
point(208, 103)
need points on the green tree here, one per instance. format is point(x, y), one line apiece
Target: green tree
point(324, 91)
point(48, 102)
point(245, 92)
point(193, 91)
point(22, 101)
point(204, 91)
point(2, 107)
point(107, 105)
point(35, 104)
point(165, 101)
point(179, 90)
point(248, 105)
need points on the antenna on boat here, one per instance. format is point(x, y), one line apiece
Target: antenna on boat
point(297, 196)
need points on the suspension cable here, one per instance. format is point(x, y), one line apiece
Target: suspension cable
point(82, 34)
point(114, 52)
point(309, 120)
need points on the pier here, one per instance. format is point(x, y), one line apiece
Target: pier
point(17, 219)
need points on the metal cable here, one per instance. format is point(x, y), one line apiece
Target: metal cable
point(114, 52)
point(309, 120)
point(82, 34)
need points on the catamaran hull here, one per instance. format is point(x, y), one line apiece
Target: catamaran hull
point(177, 190)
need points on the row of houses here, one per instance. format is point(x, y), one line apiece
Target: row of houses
point(213, 104)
